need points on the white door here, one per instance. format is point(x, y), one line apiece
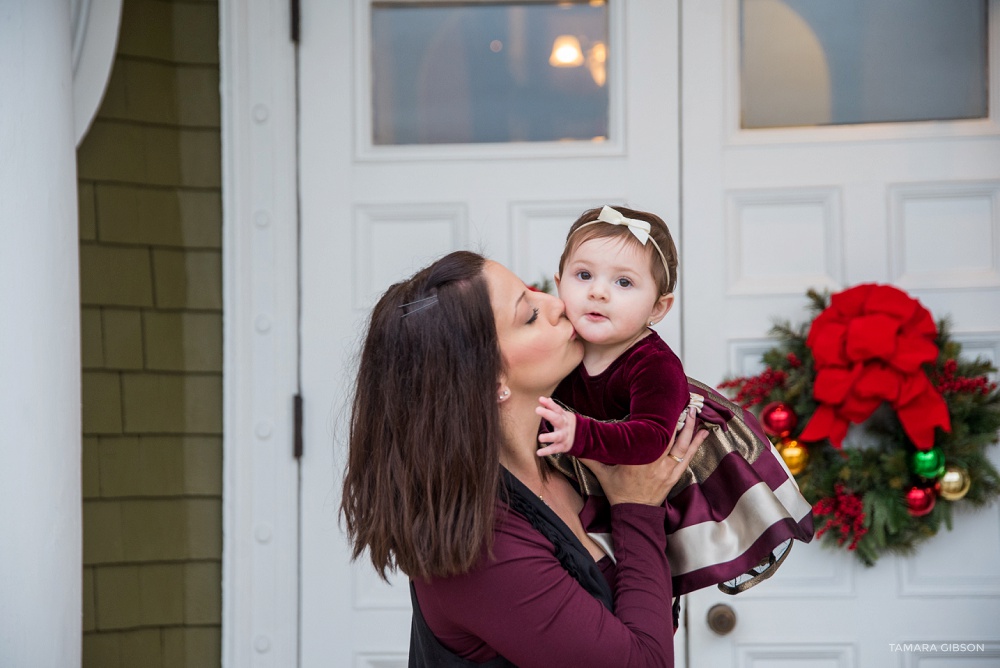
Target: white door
point(772, 211)
point(373, 212)
point(377, 203)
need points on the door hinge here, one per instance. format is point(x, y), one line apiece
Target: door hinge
point(297, 436)
point(296, 14)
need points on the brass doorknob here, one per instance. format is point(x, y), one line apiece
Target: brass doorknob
point(721, 619)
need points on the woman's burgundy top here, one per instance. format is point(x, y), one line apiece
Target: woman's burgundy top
point(523, 605)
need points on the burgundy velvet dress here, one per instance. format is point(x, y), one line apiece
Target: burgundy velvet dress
point(731, 518)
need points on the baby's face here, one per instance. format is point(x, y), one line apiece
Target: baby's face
point(609, 291)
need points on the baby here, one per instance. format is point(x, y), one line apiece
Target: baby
point(732, 518)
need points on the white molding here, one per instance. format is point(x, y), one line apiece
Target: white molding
point(899, 193)
point(95, 40)
point(522, 214)
point(811, 573)
point(858, 132)
point(830, 275)
point(840, 655)
point(366, 216)
point(936, 652)
point(365, 151)
point(745, 355)
point(934, 573)
point(979, 344)
point(381, 660)
point(260, 558)
point(371, 592)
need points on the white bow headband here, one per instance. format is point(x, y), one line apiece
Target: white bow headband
point(639, 228)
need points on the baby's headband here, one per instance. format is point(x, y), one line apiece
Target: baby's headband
point(639, 228)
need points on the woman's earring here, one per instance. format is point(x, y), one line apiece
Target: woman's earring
point(504, 393)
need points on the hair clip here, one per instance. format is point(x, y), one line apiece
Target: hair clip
point(424, 303)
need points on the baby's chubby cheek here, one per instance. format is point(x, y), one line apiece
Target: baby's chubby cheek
point(572, 309)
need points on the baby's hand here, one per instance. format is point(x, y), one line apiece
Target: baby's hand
point(563, 422)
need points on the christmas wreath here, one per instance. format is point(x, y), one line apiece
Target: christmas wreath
point(874, 358)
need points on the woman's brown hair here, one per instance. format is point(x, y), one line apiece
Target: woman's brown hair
point(424, 444)
point(658, 231)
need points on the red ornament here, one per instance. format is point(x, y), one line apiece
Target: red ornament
point(778, 419)
point(920, 500)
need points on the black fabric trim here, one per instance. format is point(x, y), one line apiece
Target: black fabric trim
point(427, 651)
point(570, 552)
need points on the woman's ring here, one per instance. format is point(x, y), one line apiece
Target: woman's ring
point(679, 460)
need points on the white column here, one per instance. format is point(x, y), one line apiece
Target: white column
point(40, 489)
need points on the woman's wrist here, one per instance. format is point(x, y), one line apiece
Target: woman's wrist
point(618, 500)
point(633, 508)
point(636, 529)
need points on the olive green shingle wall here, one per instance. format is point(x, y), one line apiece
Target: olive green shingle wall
point(151, 309)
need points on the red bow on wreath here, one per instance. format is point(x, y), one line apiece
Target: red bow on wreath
point(868, 347)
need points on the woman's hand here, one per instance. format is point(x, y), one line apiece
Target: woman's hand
point(649, 484)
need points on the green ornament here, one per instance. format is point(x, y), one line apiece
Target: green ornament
point(927, 464)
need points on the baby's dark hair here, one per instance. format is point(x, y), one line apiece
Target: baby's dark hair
point(658, 232)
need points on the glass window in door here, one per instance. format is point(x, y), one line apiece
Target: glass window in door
point(825, 62)
point(477, 72)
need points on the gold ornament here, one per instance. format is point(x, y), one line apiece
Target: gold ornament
point(795, 456)
point(954, 484)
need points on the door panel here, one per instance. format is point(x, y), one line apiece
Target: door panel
point(770, 213)
point(373, 214)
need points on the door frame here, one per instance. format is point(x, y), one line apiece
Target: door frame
point(260, 507)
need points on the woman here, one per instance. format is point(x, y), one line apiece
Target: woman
point(443, 483)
